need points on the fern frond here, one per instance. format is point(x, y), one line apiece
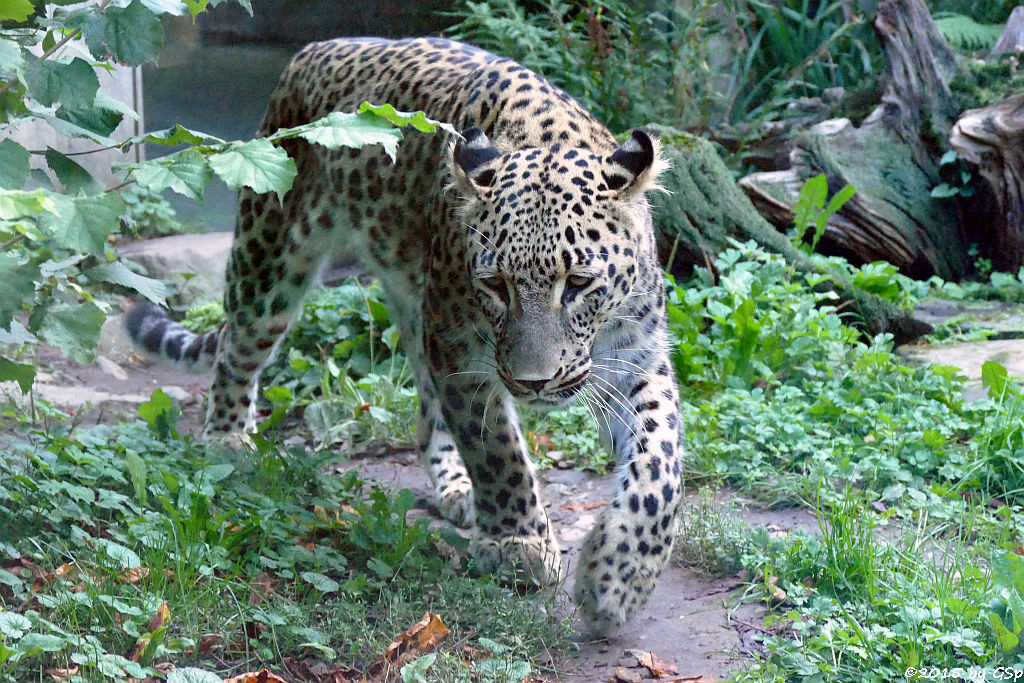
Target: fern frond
point(965, 33)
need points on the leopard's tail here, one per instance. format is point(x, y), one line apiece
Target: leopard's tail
point(151, 327)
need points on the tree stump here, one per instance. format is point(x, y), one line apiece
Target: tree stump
point(892, 159)
point(1012, 38)
point(704, 208)
point(992, 140)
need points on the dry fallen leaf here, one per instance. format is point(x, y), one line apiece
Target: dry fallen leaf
point(578, 507)
point(658, 667)
point(261, 588)
point(420, 639)
point(624, 675)
point(61, 675)
point(261, 676)
point(163, 615)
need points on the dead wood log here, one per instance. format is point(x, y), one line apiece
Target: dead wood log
point(704, 208)
point(892, 159)
point(1012, 38)
point(992, 140)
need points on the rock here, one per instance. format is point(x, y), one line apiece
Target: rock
point(110, 367)
point(182, 396)
point(624, 675)
point(194, 264)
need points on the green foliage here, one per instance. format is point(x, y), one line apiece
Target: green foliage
point(269, 554)
point(345, 370)
point(58, 263)
point(987, 82)
point(965, 33)
point(810, 210)
point(202, 318)
point(990, 12)
point(572, 431)
point(630, 65)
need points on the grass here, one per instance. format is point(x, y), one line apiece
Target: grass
point(128, 548)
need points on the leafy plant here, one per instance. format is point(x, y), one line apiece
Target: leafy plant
point(56, 227)
point(810, 210)
point(957, 179)
point(965, 33)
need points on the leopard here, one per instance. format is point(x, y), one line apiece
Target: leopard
point(518, 256)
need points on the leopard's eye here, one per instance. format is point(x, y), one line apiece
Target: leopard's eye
point(579, 281)
point(495, 285)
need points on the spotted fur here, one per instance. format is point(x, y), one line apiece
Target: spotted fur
point(520, 264)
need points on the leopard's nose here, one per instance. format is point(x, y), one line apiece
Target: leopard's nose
point(534, 384)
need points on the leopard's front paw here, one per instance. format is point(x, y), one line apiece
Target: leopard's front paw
point(533, 559)
point(455, 502)
point(616, 575)
point(238, 442)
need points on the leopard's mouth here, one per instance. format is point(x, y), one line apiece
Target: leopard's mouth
point(546, 394)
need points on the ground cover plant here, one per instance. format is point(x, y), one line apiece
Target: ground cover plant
point(918, 494)
point(128, 546)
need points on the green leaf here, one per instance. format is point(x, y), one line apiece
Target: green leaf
point(41, 641)
point(174, 7)
point(211, 474)
point(322, 583)
point(160, 414)
point(416, 670)
point(124, 557)
point(136, 467)
point(1004, 637)
point(15, 204)
point(196, 7)
point(176, 136)
point(187, 173)
point(73, 328)
point(21, 373)
point(72, 85)
point(119, 274)
point(416, 119)
point(994, 377)
point(18, 283)
point(190, 674)
point(10, 55)
point(14, 625)
point(131, 35)
point(13, 165)
point(380, 568)
point(944, 191)
point(71, 175)
point(98, 120)
point(341, 129)
point(85, 223)
point(18, 10)
point(839, 199)
point(256, 164)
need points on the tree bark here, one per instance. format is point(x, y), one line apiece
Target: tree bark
point(992, 140)
point(892, 159)
point(704, 208)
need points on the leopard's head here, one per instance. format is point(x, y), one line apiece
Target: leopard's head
point(554, 239)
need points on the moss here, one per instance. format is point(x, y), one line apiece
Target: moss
point(988, 82)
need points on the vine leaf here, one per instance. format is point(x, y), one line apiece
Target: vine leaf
point(73, 328)
point(131, 35)
point(85, 223)
point(73, 85)
point(13, 165)
point(256, 164)
point(187, 173)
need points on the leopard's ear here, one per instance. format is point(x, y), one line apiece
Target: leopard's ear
point(474, 161)
point(634, 167)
